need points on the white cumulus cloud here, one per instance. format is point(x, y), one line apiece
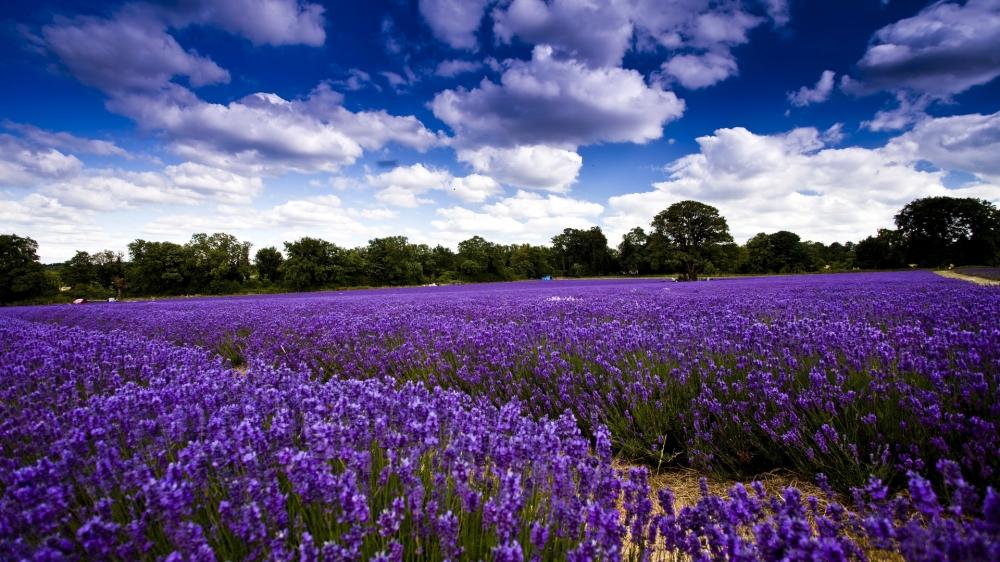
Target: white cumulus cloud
point(558, 102)
point(132, 52)
point(790, 181)
point(527, 166)
point(946, 48)
point(24, 165)
point(263, 132)
point(525, 217)
point(817, 94)
point(454, 21)
point(405, 186)
point(969, 143)
point(700, 71)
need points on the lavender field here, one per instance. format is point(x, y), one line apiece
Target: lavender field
point(489, 422)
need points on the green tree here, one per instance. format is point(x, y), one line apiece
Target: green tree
point(350, 267)
point(220, 262)
point(882, 251)
point(781, 252)
point(692, 234)
point(79, 270)
point(835, 257)
point(530, 262)
point(632, 252)
point(394, 261)
point(21, 275)
point(159, 268)
point(481, 260)
point(109, 269)
point(310, 263)
point(439, 263)
point(938, 231)
point(268, 261)
point(581, 252)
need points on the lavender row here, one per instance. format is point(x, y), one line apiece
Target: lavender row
point(850, 375)
point(117, 446)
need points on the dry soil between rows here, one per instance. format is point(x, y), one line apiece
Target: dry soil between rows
point(970, 278)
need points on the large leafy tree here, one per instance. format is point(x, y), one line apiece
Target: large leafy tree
point(160, 268)
point(481, 260)
point(692, 234)
point(632, 252)
point(394, 261)
point(80, 270)
point(221, 262)
point(109, 269)
point(882, 251)
point(530, 262)
point(21, 274)
point(949, 230)
point(780, 252)
point(582, 252)
point(438, 262)
point(268, 261)
point(311, 263)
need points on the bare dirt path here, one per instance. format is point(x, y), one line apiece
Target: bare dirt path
point(973, 279)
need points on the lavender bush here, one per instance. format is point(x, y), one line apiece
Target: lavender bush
point(115, 446)
point(478, 422)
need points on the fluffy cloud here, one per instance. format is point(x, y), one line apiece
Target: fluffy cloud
point(132, 52)
point(35, 209)
point(66, 141)
point(134, 60)
point(58, 229)
point(28, 162)
point(474, 188)
point(777, 10)
point(356, 79)
point(970, 143)
point(25, 165)
point(600, 32)
point(700, 71)
point(525, 217)
point(817, 94)
point(597, 33)
point(533, 206)
point(559, 102)
point(64, 178)
point(403, 186)
point(909, 109)
point(397, 196)
point(945, 49)
point(323, 216)
point(265, 133)
point(789, 181)
point(374, 214)
point(322, 209)
point(452, 68)
point(454, 21)
point(220, 184)
point(528, 166)
point(110, 189)
point(263, 22)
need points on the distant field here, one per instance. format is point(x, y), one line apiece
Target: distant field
point(492, 421)
point(984, 272)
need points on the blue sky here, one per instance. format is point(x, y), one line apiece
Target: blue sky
point(511, 119)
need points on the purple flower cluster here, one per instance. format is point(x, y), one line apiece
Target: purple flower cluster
point(117, 446)
point(419, 422)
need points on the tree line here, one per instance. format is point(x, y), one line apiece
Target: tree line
point(688, 239)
